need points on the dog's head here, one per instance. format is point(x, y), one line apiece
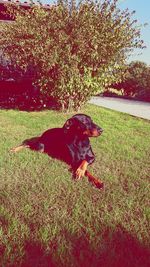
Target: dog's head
point(83, 125)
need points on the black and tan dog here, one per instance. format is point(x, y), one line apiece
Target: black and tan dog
point(70, 144)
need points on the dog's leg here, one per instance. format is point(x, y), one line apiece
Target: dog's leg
point(39, 148)
point(80, 172)
point(18, 148)
point(95, 181)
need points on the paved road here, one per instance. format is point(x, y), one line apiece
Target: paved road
point(136, 108)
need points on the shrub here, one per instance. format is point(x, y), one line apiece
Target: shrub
point(136, 81)
point(75, 48)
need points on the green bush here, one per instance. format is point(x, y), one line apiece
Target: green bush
point(136, 81)
point(76, 48)
point(139, 74)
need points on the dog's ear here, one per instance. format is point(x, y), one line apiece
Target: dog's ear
point(68, 125)
point(73, 124)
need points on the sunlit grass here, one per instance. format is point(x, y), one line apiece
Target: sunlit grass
point(44, 213)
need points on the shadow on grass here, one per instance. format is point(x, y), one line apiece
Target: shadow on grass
point(28, 105)
point(35, 256)
point(15, 96)
point(116, 249)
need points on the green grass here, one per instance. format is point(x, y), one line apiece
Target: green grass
point(47, 219)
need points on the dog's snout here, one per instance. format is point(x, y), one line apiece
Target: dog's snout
point(100, 130)
point(95, 131)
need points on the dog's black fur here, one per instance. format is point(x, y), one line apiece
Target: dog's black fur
point(69, 143)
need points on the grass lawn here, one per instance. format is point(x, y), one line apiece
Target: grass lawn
point(49, 220)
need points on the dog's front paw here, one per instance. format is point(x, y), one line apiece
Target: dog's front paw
point(14, 150)
point(80, 172)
